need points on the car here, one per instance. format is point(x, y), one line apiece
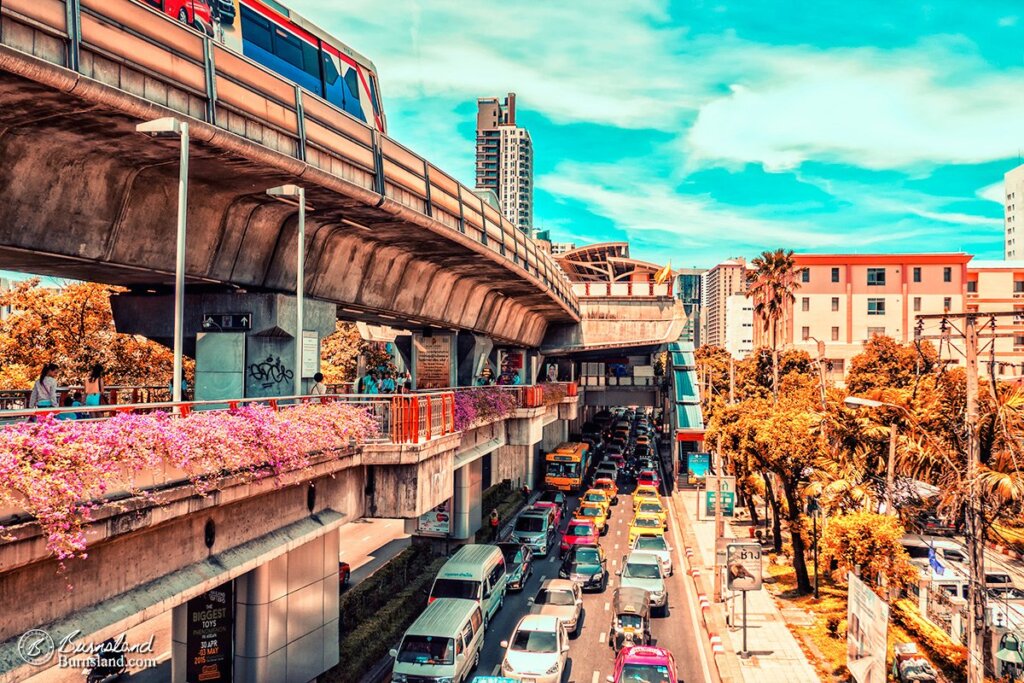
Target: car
point(587, 566)
point(618, 458)
point(563, 599)
point(644, 663)
point(642, 451)
point(536, 528)
point(645, 524)
point(933, 525)
point(579, 531)
point(607, 470)
point(195, 13)
point(537, 650)
point(552, 496)
point(650, 506)
point(644, 492)
point(555, 509)
point(344, 573)
point(609, 487)
point(596, 514)
point(641, 569)
point(657, 544)
point(597, 496)
point(518, 564)
point(614, 449)
point(648, 478)
point(643, 440)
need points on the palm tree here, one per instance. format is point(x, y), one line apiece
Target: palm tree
point(771, 285)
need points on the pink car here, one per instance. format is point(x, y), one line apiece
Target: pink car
point(644, 663)
point(555, 507)
point(579, 532)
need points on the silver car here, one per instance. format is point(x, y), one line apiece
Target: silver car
point(657, 545)
point(641, 569)
point(560, 598)
point(537, 650)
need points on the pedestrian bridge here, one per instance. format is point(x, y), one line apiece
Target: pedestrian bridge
point(389, 234)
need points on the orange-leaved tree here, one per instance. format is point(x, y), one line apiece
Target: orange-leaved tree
point(871, 542)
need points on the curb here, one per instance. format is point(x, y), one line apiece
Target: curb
point(712, 617)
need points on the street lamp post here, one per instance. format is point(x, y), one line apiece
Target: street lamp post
point(890, 465)
point(172, 126)
point(293, 194)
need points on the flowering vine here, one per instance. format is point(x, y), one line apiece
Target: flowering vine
point(481, 404)
point(554, 392)
point(57, 470)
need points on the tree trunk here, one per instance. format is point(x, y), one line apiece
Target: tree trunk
point(775, 360)
point(776, 513)
point(803, 581)
point(748, 500)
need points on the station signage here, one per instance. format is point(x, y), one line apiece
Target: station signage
point(227, 322)
point(210, 637)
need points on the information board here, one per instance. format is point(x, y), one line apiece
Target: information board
point(697, 466)
point(227, 322)
point(210, 636)
point(310, 353)
point(743, 566)
point(433, 361)
point(728, 502)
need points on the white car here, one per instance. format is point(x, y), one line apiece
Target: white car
point(641, 569)
point(537, 651)
point(560, 598)
point(657, 545)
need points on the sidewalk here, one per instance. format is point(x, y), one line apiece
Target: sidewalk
point(776, 655)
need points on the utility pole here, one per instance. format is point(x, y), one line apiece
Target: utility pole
point(719, 522)
point(890, 471)
point(975, 531)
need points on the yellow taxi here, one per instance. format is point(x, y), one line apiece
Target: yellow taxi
point(609, 487)
point(644, 492)
point(645, 524)
point(600, 497)
point(595, 513)
point(650, 506)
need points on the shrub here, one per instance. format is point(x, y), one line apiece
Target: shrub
point(553, 392)
point(832, 625)
point(951, 658)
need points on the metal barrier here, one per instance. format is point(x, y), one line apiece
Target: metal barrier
point(299, 123)
point(17, 399)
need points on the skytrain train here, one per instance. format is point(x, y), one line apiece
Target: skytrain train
point(270, 34)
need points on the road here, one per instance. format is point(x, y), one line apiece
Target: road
point(590, 657)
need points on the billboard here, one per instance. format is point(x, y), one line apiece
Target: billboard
point(697, 466)
point(436, 522)
point(743, 564)
point(210, 636)
point(511, 366)
point(867, 625)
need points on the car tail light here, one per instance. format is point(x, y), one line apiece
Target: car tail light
point(431, 599)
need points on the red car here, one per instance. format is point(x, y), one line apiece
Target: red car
point(579, 532)
point(550, 505)
point(194, 13)
point(344, 573)
point(648, 478)
point(644, 663)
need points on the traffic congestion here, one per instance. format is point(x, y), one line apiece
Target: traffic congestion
point(583, 589)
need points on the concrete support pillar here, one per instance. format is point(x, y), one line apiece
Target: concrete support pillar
point(466, 503)
point(473, 351)
point(286, 618)
point(514, 463)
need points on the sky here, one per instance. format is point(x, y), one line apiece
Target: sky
point(699, 131)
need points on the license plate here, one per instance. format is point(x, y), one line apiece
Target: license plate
point(529, 680)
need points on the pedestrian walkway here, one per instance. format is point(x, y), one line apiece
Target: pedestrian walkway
point(776, 654)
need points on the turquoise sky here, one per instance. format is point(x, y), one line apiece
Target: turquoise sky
point(703, 130)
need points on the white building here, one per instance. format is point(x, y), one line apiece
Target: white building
point(739, 325)
point(504, 159)
point(719, 283)
point(1013, 212)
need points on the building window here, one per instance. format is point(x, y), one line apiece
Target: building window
point(835, 334)
point(835, 275)
point(805, 275)
point(947, 303)
point(876, 276)
point(876, 306)
point(835, 303)
point(805, 333)
point(917, 273)
point(1018, 286)
point(972, 287)
point(876, 332)
point(917, 304)
point(805, 304)
point(1018, 340)
point(947, 274)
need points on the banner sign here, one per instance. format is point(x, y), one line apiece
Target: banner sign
point(210, 637)
point(436, 522)
point(867, 625)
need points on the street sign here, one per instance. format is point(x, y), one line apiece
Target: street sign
point(227, 322)
point(728, 502)
point(743, 566)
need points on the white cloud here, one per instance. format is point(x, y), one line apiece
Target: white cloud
point(993, 192)
point(1008, 21)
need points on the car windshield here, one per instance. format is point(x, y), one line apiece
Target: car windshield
point(647, 522)
point(534, 641)
point(580, 530)
point(630, 620)
point(642, 570)
point(549, 497)
point(594, 498)
point(426, 650)
point(647, 474)
point(561, 598)
point(645, 673)
point(456, 588)
point(512, 552)
point(590, 511)
point(651, 543)
point(650, 507)
point(563, 469)
point(1005, 593)
point(585, 556)
point(530, 524)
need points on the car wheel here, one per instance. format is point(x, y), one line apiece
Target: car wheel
point(476, 660)
point(183, 16)
point(344, 579)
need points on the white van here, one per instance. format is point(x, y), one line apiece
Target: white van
point(475, 572)
point(443, 643)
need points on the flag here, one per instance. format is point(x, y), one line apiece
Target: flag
point(663, 275)
point(934, 562)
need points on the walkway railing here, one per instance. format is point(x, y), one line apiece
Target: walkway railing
point(622, 289)
point(526, 395)
point(17, 399)
point(410, 418)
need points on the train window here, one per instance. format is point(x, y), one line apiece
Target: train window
point(310, 56)
point(278, 6)
point(352, 81)
point(373, 94)
point(330, 70)
point(256, 29)
point(288, 47)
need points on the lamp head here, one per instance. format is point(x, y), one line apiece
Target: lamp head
point(167, 125)
point(858, 402)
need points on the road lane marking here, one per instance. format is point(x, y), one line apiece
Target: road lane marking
point(551, 559)
point(613, 562)
point(607, 606)
point(367, 538)
point(616, 546)
point(690, 595)
point(602, 637)
point(597, 676)
point(618, 532)
point(496, 669)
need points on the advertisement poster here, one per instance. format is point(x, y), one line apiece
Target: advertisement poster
point(208, 645)
point(511, 364)
point(697, 466)
point(867, 620)
point(743, 562)
point(436, 522)
point(433, 361)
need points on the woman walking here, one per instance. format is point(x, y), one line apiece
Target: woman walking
point(94, 386)
point(44, 391)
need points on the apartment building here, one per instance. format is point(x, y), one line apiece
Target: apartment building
point(720, 282)
point(845, 299)
point(739, 325)
point(998, 287)
point(1013, 212)
point(504, 159)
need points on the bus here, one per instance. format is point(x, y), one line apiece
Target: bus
point(566, 467)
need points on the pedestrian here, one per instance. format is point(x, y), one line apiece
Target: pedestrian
point(318, 388)
point(388, 384)
point(72, 400)
point(493, 521)
point(526, 494)
point(44, 391)
point(184, 389)
point(94, 386)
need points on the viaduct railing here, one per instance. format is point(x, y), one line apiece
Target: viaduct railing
point(622, 289)
point(225, 89)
